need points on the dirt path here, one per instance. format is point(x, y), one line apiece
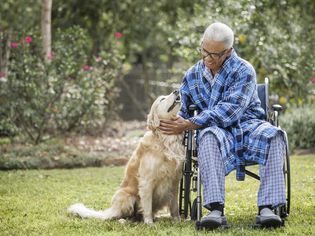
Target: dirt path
point(117, 142)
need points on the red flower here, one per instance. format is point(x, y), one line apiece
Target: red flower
point(28, 39)
point(14, 45)
point(118, 35)
point(2, 74)
point(86, 68)
point(50, 56)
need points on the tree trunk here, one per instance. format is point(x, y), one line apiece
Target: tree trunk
point(46, 28)
point(5, 51)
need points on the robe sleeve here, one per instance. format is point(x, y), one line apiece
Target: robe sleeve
point(185, 99)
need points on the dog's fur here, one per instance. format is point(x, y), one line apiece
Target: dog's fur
point(152, 173)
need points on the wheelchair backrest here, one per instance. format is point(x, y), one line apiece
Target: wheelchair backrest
point(262, 90)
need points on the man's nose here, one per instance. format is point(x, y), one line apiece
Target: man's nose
point(207, 58)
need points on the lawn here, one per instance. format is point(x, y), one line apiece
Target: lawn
point(34, 202)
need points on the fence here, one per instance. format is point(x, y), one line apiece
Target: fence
point(136, 97)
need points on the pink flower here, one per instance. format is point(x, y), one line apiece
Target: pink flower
point(86, 68)
point(28, 39)
point(2, 74)
point(50, 55)
point(118, 35)
point(313, 80)
point(98, 59)
point(14, 45)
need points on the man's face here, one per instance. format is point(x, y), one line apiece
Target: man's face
point(214, 53)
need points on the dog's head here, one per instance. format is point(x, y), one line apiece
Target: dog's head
point(164, 107)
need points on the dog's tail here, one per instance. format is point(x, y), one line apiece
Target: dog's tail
point(84, 212)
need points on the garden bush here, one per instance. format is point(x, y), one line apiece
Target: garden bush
point(66, 92)
point(299, 123)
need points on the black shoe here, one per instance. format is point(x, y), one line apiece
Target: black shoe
point(267, 218)
point(213, 220)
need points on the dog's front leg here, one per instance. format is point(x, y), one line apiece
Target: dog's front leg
point(146, 192)
point(174, 200)
point(174, 205)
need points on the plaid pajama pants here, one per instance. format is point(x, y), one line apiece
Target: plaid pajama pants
point(272, 185)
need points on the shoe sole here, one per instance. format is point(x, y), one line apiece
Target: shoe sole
point(269, 222)
point(212, 223)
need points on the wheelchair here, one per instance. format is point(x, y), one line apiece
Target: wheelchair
point(191, 182)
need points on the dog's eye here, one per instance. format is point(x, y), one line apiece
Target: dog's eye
point(162, 99)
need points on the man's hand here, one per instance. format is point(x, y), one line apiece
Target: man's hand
point(176, 125)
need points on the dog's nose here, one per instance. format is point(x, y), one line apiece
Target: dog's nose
point(176, 92)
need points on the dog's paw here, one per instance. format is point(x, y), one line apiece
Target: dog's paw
point(148, 221)
point(176, 218)
point(122, 221)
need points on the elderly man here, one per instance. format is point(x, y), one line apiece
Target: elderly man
point(231, 127)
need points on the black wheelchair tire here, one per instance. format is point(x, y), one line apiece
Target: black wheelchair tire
point(194, 211)
point(284, 210)
point(184, 196)
point(288, 183)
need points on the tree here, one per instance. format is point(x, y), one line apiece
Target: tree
point(46, 28)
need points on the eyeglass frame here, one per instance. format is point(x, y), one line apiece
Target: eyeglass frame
point(213, 55)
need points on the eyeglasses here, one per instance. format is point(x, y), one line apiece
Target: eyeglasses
point(213, 55)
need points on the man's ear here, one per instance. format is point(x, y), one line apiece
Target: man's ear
point(229, 52)
point(153, 120)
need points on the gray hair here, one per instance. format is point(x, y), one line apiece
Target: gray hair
point(219, 32)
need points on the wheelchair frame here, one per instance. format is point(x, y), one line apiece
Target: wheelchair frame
point(190, 181)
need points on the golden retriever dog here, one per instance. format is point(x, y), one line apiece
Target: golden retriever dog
point(152, 174)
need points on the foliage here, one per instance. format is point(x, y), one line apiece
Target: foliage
point(35, 202)
point(20, 15)
point(274, 45)
point(62, 93)
point(7, 129)
point(299, 124)
point(145, 27)
point(165, 34)
point(162, 37)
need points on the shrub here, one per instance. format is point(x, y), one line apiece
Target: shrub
point(299, 123)
point(66, 92)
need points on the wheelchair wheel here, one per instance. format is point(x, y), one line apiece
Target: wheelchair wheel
point(184, 195)
point(287, 174)
point(194, 211)
point(284, 210)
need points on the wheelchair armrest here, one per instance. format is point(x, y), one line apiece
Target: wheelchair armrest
point(277, 107)
point(192, 107)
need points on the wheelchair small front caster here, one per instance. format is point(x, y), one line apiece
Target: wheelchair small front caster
point(197, 225)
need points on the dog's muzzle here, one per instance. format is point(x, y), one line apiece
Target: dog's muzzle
point(177, 100)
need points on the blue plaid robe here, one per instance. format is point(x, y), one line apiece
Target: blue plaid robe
point(229, 108)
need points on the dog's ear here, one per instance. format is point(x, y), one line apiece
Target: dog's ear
point(153, 120)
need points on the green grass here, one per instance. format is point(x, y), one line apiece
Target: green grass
point(34, 202)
